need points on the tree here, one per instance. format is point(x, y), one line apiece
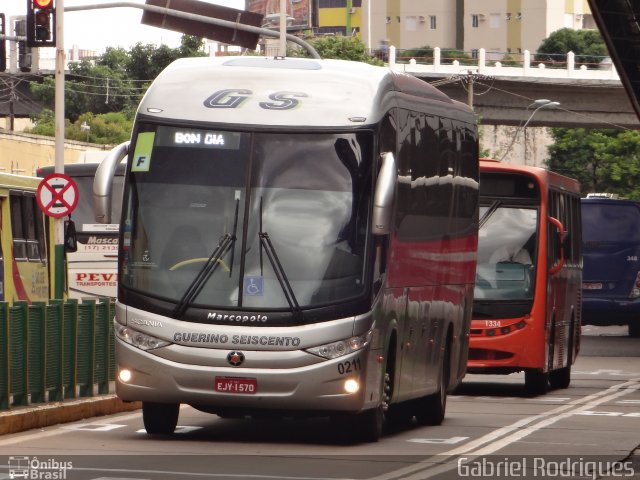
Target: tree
point(113, 82)
point(601, 160)
point(588, 46)
point(107, 128)
point(340, 47)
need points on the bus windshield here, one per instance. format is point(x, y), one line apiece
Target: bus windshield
point(234, 219)
point(506, 253)
point(610, 223)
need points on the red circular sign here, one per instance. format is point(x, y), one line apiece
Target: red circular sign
point(57, 195)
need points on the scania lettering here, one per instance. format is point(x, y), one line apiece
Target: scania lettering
point(308, 240)
point(92, 270)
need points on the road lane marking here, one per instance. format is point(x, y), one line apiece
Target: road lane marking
point(442, 441)
point(501, 437)
point(546, 399)
point(93, 427)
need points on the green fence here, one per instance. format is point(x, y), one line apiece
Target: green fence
point(50, 352)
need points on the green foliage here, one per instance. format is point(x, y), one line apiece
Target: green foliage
point(602, 160)
point(113, 82)
point(106, 128)
point(339, 47)
point(447, 55)
point(509, 61)
point(588, 46)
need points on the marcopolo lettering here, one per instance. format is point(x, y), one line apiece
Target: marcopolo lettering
point(237, 318)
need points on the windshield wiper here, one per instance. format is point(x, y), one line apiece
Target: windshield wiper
point(490, 211)
point(227, 241)
point(289, 295)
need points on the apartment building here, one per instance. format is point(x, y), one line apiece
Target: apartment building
point(498, 26)
point(512, 26)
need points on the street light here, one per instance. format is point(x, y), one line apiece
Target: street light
point(540, 104)
point(85, 127)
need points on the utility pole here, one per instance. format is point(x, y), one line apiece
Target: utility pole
point(282, 50)
point(12, 97)
point(59, 145)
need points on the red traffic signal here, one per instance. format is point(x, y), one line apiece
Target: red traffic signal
point(43, 4)
point(41, 23)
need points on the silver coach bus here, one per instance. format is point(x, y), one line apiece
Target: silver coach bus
point(298, 236)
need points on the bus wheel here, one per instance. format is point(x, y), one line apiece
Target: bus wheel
point(160, 418)
point(634, 329)
point(431, 409)
point(367, 426)
point(536, 382)
point(560, 378)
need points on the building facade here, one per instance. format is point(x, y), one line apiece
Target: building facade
point(499, 26)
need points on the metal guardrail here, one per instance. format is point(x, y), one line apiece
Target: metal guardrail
point(55, 351)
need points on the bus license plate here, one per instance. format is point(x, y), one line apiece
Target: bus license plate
point(236, 385)
point(592, 286)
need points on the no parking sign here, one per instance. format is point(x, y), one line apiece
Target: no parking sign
point(57, 195)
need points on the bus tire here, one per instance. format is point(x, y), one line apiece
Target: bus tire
point(367, 425)
point(431, 408)
point(536, 382)
point(634, 328)
point(560, 378)
point(160, 418)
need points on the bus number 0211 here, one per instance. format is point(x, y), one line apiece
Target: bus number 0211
point(349, 366)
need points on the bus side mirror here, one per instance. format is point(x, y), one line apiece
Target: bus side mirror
point(70, 238)
point(383, 196)
point(103, 181)
point(557, 234)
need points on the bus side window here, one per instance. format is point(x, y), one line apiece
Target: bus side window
point(17, 228)
point(29, 212)
point(41, 234)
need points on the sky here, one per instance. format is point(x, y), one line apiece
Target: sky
point(112, 27)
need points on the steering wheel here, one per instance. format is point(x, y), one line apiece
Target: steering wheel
point(191, 261)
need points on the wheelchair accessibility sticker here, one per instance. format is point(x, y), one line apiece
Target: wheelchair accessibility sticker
point(253, 286)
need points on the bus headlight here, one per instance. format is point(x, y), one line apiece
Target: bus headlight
point(138, 339)
point(342, 347)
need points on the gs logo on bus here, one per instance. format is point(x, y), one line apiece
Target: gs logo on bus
point(233, 98)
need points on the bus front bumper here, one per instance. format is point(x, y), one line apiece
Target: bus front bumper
point(506, 351)
point(316, 387)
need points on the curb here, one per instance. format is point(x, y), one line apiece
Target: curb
point(27, 418)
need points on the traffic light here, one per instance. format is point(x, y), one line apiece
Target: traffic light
point(24, 52)
point(41, 23)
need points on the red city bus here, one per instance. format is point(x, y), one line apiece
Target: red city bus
point(526, 310)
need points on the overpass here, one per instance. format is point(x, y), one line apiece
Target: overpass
point(589, 98)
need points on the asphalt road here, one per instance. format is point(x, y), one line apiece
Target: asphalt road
point(493, 429)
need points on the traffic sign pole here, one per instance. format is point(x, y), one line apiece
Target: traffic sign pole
point(58, 270)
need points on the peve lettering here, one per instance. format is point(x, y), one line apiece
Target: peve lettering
point(95, 277)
